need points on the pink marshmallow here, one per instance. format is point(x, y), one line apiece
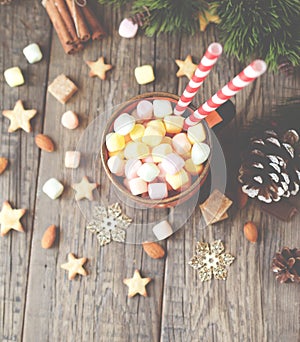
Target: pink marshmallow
point(157, 190)
point(162, 174)
point(181, 143)
point(137, 186)
point(148, 159)
point(144, 110)
point(131, 168)
point(172, 163)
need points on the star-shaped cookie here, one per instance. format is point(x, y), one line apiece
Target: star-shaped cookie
point(186, 67)
point(10, 218)
point(98, 68)
point(19, 117)
point(207, 17)
point(74, 266)
point(84, 189)
point(136, 284)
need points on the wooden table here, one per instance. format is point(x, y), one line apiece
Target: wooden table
point(37, 301)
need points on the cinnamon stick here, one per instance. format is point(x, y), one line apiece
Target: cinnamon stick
point(93, 23)
point(57, 22)
point(79, 21)
point(66, 16)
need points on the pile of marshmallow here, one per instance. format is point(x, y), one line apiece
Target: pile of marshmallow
point(151, 154)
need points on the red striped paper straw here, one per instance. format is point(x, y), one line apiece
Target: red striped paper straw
point(248, 75)
point(209, 59)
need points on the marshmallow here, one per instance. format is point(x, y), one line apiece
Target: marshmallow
point(166, 140)
point(137, 133)
point(144, 110)
point(53, 188)
point(137, 186)
point(33, 53)
point(157, 124)
point(178, 179)
point(162, 108)
point(200, 153)
point(148, 172)
point(116, 153)
point(72, 159)
point(160, 151)
point(116, 165)
point(115, 142)
point(152, 136)
point(192, 168)
point(127, 28)
point(69, 120)
point(162, 173)
point(172, 163)
point(144, 74)
point(157, 190)
point(131, 168)
point(196, 133)
point(181, 143)
point(124, 124)
point(127, 138)
point(173, 123)
point(162, 230)
point(148, 159)
point(137, 150)
point(14, 77)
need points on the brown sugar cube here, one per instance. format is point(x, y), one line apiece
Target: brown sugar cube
point(62, 88)
point(214, 209)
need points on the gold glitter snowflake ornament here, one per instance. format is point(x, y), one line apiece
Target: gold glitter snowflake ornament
point(211, 260)
point(109, 223)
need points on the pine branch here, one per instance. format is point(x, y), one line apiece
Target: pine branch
point(115, 3)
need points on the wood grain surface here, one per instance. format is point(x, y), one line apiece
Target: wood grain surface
point(37, 301)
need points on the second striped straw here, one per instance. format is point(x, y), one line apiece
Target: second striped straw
point(207, 62)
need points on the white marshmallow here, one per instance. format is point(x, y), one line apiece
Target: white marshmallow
point(196, 133)
point(157, 191)
point(53, 188)
point(124, 124)
point(116, 165)
point(72, 159)
point(131, 168)
point(33, 53)
point(162, 230)
point(148, 172)
point(162, 108)
point(200, 153)
point(127, 28)
point(144, 110)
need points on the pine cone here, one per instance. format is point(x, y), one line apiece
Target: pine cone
point(286, 265)
point(271, 167)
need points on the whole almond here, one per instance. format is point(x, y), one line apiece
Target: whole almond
point(250, 231)
point(49, 237)
point(3, 164)
point(44, 143)
point(154, 250)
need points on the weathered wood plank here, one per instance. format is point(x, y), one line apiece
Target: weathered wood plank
point(19, 26)
point(250, 305)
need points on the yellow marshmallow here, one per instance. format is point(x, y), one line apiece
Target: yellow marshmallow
point(136, 150)
point(178, 179)
point(167, 140)
point(192, 168)
point(117, 153)
point(144, 74)
point(137, 132)
point(152, 136)
point(158, 124)
point(14, 77)
point(160, 151)
point(115, 142)
point(173, 123)
point(196, 133)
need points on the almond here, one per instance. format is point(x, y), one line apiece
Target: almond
point(49, 237)
point(3, 164)
point(250, 231)
point(154, 250)
point(44, 143)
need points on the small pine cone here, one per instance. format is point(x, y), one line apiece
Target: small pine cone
point(271, 167)
point(286, 265)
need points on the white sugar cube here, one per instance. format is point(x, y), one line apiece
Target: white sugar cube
point(72, 159)
point(14, 77)
point(162, 230)
point(33, 53)
point(162, 108)
point(53, 188)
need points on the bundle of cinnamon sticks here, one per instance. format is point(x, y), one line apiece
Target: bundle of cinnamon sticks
point(74, 22)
